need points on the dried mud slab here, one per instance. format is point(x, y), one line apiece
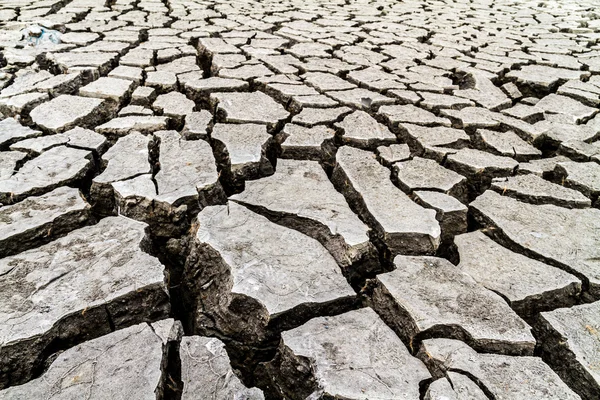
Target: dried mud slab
point(38, 219)
point(499, 376)
point(565, 238)
point(570, 345)
point(321, 212)
point(429, 297)
point(127, 363)
point(264, 273)
point(350, 356)
point(206, 372)
point(76, 288)
point(404, 226)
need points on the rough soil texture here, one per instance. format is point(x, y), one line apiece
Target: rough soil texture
point(258, 199)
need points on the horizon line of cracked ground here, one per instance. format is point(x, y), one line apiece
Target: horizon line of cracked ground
point(300, 200)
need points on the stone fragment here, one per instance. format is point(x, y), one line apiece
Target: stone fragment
point(567, 107)
point(121, 126)
point(535, 190)
point(206, 372)
point(529, 114)
point(412, 115)
point(361, 130)
point(253, 108)
point(12, 131)
point(76, 288)
point(561, 237)
point(126, 363)
point(114, 89)
point(303, 143)
point(56, 167)
point(405, 227)
point(507, 144)
point(262, 265)
point(65, 112)
point(429, 296)
point(36, 220)
point(502, 376)
point(570, 345)
point(350, 356)
point(242, 150)
point(321, 212)
point(529, 286)
point(424, 174)
point(451, 213)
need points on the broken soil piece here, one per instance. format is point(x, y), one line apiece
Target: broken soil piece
point(429, 297)
point(424, 174)
point(321, 212)
point(302, 143)
point(363, 131)
point(570, 345)
point(239, 268)
point(196, 125)
point(565, 238)
point(12, 131)
point(9, 160)
point(206, 372)
point(529, 286)
point(104, 280)
point(315, 116)
point(503, 377)
point(65, 112)
point(36, 220)
point(187, 181)
point(584, 177)
point(535, 190)
point(388, 155)
point(56, 167)
point(412, 115)
point(404, 227)
point(507, 144)
point(254, 108)
point(451, 213)
point(242, 151)
point(123, 125)
point(480, 167)
point(127, 363)
point(351, 356)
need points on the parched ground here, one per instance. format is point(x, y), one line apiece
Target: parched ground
point(299, 199)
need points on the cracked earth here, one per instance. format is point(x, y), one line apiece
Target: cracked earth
point(259, 199)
